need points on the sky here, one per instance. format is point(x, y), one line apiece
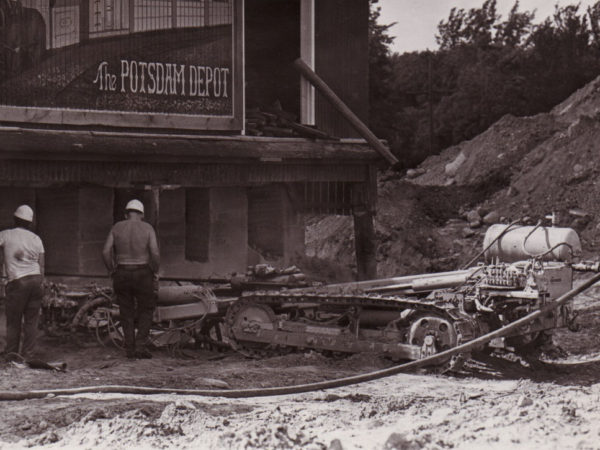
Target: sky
point(417, 20)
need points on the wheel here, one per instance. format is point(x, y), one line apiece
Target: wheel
point(436, 334)
point(245, 320)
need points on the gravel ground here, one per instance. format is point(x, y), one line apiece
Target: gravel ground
point(493, 403)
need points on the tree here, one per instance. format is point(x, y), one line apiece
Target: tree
point(516, 29)
point(486, 67)
point(380, 74)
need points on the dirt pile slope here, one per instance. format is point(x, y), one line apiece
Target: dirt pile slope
point(519, 167)
point(539, 164)
point(416, 228)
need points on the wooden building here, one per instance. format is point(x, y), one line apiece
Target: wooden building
point(152, 99)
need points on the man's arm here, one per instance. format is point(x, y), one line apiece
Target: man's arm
point(107, 253)
point(42, 263)
point(154, 252)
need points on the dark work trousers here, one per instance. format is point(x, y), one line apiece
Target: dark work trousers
point(23, 303)
point(134, 288)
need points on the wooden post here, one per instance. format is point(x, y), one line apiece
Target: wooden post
point(346, 112)
point(365, 246)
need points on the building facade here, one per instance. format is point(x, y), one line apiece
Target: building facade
point(193, 106)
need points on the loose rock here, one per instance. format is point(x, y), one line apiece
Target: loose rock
point(524, 401)
point(491, 218)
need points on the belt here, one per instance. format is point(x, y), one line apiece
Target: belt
point(133, 266)
point(24, 278)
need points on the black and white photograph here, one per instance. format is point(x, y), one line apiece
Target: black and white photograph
point(299, 224)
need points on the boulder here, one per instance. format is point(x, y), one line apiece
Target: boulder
point(475, 223)
point(411, 173)
point(524, 401)
point(473, 216)
point(452, 168)
point(336, 444)
point(397, 441)
point(491, 218)
point(468, 232)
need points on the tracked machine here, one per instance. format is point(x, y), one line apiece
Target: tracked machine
point(403, 318)
point(410, 318)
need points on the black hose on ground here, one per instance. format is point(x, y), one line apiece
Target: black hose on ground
point(302, 388)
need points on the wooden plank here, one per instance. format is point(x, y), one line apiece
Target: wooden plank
point(341, 107)
point(119, 119)
point(84, 145)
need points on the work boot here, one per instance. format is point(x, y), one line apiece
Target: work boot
point(143, 353)
point(13, 357)
point(143, 327)
point(128, 338)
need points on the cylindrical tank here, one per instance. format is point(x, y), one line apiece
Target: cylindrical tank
point(181, 295)
point(523, 242)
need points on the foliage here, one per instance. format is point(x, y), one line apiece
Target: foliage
point(380, 74)
point(486, 67)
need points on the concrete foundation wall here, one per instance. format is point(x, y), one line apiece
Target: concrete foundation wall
point(228, 246)
point(227, 239)
point(201, 232)
point(275, 227)
point(58, 226)
point(95, 220)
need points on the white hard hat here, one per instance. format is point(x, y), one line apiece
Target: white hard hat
point(135, 205)
point(24, 212)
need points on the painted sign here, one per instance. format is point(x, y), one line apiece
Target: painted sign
point(146, 63)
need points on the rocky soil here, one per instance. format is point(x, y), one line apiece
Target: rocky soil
point(493, 402)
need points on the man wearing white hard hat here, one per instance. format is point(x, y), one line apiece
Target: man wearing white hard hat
point(24, 265)
point(131, 256)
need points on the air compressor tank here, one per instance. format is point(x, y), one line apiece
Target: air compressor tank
point(523, 242)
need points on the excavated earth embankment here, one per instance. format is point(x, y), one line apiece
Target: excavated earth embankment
point(434, 217)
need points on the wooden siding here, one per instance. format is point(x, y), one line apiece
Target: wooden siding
point(342, 55)
point(272, 41)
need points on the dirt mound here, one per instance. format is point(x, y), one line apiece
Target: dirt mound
point(491, 156)
point(415, 226)
point(542, 164)
point(520, 167)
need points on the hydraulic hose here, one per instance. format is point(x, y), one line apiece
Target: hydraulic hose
point(302, 388)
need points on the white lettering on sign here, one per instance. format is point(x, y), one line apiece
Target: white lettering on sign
point(156, 78)
point(105, 80)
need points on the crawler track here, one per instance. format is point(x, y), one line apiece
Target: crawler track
point(263, 335)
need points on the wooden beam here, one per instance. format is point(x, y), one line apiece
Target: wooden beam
point(65, 145)
point(365, 246)
point(346, 112)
